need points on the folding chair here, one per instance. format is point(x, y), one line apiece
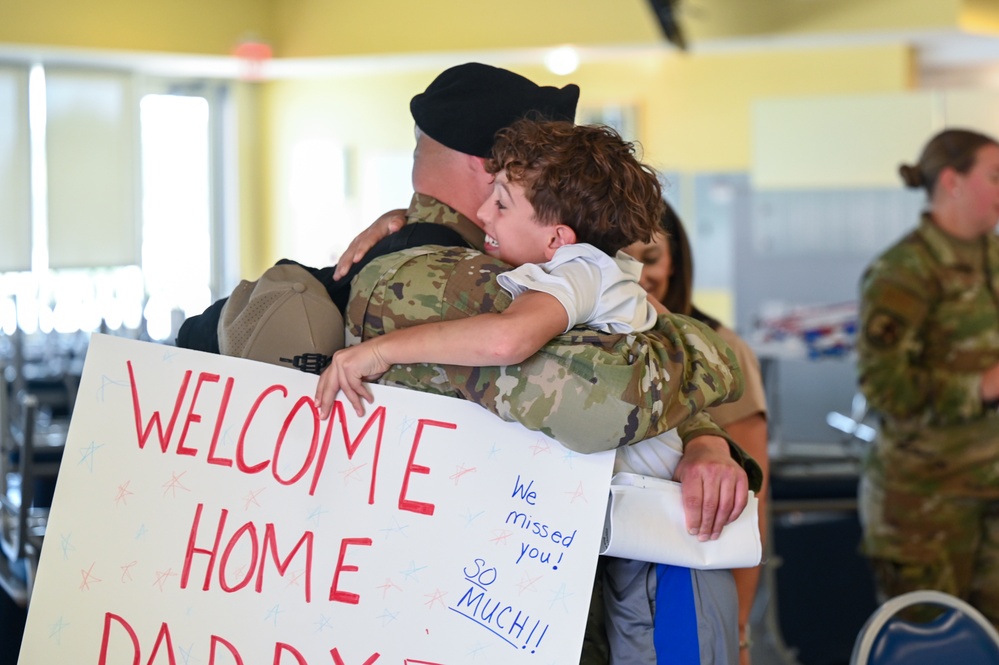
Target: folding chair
point(961, 635)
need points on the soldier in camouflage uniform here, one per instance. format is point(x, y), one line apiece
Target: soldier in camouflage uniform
point(643, 385)
point(647, 383)
point(591, 391)
point(928, 354)
point(685, 369)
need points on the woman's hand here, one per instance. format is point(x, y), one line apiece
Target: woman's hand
point(382, 227)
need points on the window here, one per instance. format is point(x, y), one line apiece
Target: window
point(176, 207)
point(112, 216)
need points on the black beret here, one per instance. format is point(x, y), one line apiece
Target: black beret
point(466, 105)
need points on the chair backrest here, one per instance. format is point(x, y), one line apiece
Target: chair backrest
point(960, 635)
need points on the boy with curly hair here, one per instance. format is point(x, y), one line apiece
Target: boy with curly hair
point(566, 199)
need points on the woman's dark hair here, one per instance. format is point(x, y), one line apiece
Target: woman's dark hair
point(679, 293)
point(954, 148)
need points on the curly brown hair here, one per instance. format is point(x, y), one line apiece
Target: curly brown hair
point(584, 176)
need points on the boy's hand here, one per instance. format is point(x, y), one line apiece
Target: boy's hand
point(347, 373)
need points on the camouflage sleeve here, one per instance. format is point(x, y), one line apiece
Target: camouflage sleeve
point(590, 391)
point(893, 309)
point(700, 424)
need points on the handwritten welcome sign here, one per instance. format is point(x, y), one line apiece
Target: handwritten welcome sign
point(204, 515)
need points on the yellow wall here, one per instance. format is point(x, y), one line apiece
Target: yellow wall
point(733, 18)
point(251, 177)
point(694, 112)
point(309, 28)
point(318, 28)
point(980, 16)
point(360, 112)
point(177, 26)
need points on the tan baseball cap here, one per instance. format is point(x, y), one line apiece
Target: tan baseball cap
point(284, 318)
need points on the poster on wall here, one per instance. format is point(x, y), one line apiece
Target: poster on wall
point(204, 515)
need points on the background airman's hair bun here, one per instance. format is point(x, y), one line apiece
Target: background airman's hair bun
point(911, 176)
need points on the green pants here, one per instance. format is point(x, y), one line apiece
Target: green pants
point(919, 539)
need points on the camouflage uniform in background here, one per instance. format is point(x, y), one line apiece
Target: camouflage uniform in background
point(637, 385)
point(929, 494)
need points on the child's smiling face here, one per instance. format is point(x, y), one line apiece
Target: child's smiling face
point(513, 233)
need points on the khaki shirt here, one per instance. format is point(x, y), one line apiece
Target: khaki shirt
point(754, 396)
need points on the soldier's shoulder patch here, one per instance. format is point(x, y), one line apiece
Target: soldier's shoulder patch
point(883, 329)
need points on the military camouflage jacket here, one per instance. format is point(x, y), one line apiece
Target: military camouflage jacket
point(929, 327)
point(640, 384)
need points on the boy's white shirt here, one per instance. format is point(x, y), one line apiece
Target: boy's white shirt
point(596, 290)
point(656, 457)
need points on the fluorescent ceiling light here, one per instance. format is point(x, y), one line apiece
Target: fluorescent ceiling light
point(563, 60)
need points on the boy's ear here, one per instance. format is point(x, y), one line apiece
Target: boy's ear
point(561, 235)
point(564, 235)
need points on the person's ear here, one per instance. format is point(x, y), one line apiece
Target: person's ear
point(948, 181)
point(476, 164)
point(565, 235)
point(560, 235)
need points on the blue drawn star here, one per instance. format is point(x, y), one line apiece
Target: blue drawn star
point(55, 630)
point(105, 382)
point(323, 623)
point(569, 457)
point(477, 649)
point(387, 617)
point(407, 424)
point(316, 513)
point(412, 571)
point(87, 455)
point(273, 613)
point(560, 595)
point(469, 517)
point(227, 436)
point(67, 546)
point(398, 528)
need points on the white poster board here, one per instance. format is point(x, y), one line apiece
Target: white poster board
point(203, 515)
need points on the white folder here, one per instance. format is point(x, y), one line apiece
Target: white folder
point(645, 522)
